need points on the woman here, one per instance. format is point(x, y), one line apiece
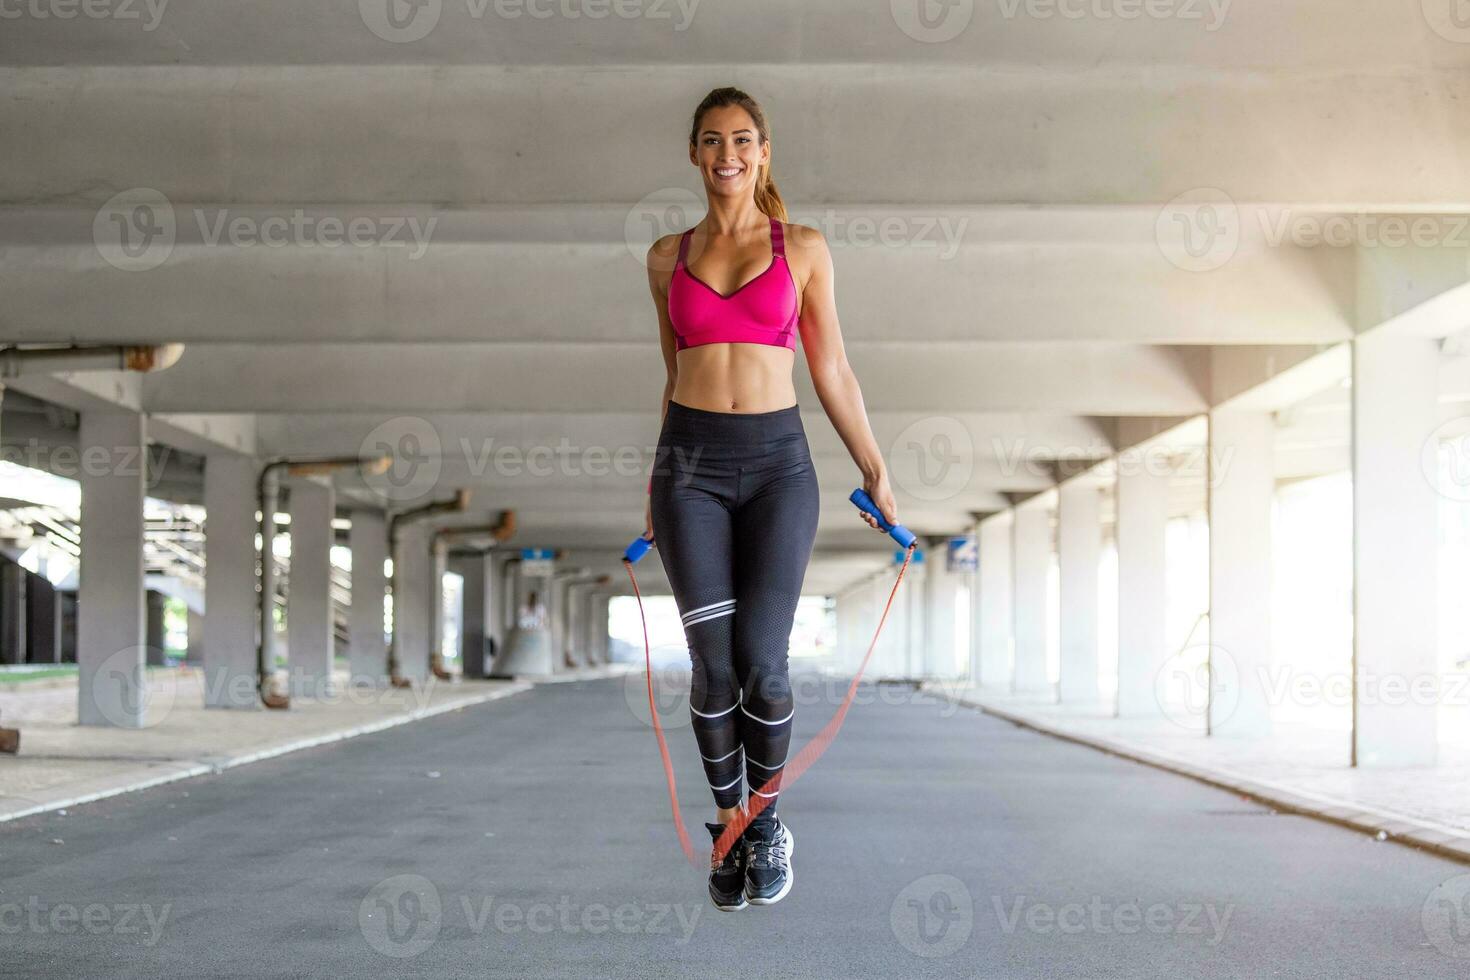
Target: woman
point(733, 503)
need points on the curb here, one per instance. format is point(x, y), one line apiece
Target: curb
point(1444, 841)
point(217, 764)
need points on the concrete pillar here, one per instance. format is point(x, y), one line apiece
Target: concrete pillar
point(597, 635)
point(367, 650)
point(1030, 559)
point(1242, 486)
point(1143, 499)
point(411, 609)
point(994, 606)
point(12, 613)
point(472, 569)
point(911, 598)
point(496, 622)
point(194, 654)
point(1395, 551)
point(1079, 549)
point(309, 595)
point(229, 581)
point(940, 658)
point(111, 617)
point(154, 635)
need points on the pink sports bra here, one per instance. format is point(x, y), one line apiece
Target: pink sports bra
point(763, 311)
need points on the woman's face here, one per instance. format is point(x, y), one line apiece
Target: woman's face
point(728, 152)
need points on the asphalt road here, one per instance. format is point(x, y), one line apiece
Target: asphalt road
point(531, 837)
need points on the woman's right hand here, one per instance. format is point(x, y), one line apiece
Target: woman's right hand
point(648, 521)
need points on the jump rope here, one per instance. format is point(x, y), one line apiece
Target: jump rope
point(810, 752)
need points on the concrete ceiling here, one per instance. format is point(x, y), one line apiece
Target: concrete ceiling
point(1056, 225)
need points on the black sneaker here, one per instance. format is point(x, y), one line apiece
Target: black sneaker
point(768, 873)
point(727, 877)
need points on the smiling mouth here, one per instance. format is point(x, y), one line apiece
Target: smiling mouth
point(728, 173)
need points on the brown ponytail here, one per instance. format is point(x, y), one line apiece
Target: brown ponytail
point(767, 197)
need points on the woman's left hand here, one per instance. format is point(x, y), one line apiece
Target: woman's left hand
point(882, 495)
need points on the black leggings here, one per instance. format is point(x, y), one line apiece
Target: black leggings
point(734, 505)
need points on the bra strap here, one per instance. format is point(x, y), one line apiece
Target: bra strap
point(778, 239)
point(683, 247)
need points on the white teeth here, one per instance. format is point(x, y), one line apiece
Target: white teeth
point(727, 173)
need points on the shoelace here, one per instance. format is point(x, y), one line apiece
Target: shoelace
point(768, 853)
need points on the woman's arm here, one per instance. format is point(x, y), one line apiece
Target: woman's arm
point(836, 385)
point(662, 255)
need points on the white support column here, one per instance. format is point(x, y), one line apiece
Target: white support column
point(367, 649)
point(472, 569)
point(1395, 550)
point(1143, 499)
point(1030, 558)
point(111, 618)
point(1079, 549)
point(940, 659)
point(309, 595)
point(911, 596)
point(230, 624)
point(1242, 487)
point(994, 608)
point(411, 609)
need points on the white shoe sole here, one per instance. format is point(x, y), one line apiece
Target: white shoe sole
point(790, 874)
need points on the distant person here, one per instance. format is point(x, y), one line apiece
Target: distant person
point(533, 613)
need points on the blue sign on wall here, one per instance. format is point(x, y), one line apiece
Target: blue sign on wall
point(964, 553)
